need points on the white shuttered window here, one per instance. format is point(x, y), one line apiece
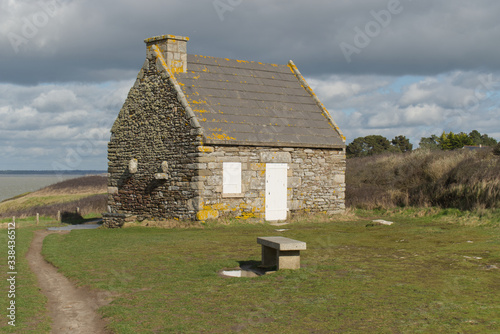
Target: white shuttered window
point(231, 177)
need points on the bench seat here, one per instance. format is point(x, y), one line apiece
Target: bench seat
point(284, 253)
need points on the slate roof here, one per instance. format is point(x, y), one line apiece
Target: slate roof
point(250, 103)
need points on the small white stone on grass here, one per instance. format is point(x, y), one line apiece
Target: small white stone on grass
point(382, 222)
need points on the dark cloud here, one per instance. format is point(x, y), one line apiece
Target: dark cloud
point(96, 41)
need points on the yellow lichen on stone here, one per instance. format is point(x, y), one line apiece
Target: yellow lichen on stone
point(246, 215)
point(200, 110)
point(205, 149)
point(207, 214)
point(221, 136)
point(215, 207)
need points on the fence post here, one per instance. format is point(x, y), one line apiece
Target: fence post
point(37, 218)
point(14, 220)
point(78, 210)
point(59, 216)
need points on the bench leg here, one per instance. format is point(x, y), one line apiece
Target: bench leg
point(269, 256)
point(288, 260)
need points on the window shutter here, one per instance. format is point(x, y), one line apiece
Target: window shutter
point(231, 177)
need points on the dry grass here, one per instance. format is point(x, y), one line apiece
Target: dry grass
point(93, 184)
point(87, 193)
point(454, 179)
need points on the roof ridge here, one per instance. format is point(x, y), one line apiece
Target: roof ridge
point(236, 60)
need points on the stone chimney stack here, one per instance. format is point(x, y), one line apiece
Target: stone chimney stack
point(174, 49)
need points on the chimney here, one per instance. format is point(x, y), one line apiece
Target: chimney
point(174, 49)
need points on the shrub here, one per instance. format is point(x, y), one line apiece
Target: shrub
point(450, 179)
point(496, 150)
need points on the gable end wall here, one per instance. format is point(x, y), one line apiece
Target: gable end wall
point(153, 128)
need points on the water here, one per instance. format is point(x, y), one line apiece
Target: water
point(75, 227)
point(15, 184)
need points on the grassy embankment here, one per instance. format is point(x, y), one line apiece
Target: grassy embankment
point(87, 193)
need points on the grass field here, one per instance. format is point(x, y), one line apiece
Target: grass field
point(31, 315)
point(438, 273)
point(433, 271)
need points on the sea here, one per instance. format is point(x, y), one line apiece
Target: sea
point(13, 183)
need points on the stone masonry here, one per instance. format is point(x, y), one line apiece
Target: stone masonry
point(153, 133)
point(316, 180)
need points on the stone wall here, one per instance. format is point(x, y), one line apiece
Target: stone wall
point(152, 151)
point(316, 180)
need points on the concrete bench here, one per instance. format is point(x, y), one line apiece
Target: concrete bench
point(284, 253)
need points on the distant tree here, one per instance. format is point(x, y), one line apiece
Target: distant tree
point(402, 144)
point(452, 141)
point(488, 141)
point(476, 137)
point(429, 143)
point(480, 139)
point(370, 145)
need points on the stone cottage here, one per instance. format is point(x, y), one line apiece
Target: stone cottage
point(201, 137)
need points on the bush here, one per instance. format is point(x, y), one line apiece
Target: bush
point(496, 150)
point(449, 179)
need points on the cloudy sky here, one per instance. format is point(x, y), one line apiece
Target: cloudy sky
point(388, 67)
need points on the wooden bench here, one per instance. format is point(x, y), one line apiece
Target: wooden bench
point(284, 253)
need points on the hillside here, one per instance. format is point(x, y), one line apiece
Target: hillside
point(87, 193)
point(466, 180)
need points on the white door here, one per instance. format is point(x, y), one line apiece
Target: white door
point(276, 192)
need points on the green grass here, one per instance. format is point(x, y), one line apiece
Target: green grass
point(430, 272)
point(31, 315)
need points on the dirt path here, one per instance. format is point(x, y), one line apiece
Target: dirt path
point(73, 310)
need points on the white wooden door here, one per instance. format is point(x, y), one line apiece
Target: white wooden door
point(276, 191)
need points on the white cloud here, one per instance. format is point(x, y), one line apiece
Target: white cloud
point(423, 115)
point(55, 100)
point(45, 123)
point(417, 109)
